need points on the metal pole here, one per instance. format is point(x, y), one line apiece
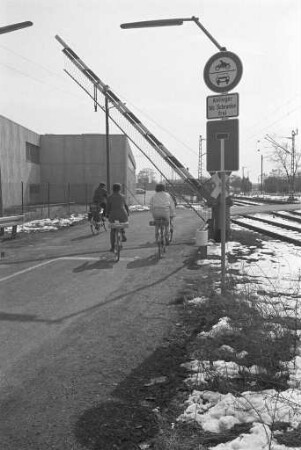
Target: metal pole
point(214, 41)
point(172, 22)
point(48, 198)
point(293, 163)
point(261, 174)
point(86, 196)
point(107, 142)
point(223, 218)
point(243, 180)
point(1, 196)
point(15, 26)
point(68, 198)
point(22, 197)
point(200, 162)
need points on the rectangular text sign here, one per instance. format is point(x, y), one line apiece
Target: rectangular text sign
point(219, 106)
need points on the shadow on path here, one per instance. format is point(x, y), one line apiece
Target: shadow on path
point(143, 262)
point(131, 416)
point(12, 317)
point(101, 264)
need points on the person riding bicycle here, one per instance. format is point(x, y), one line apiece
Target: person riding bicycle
point(162, 207)
point(100, 198)
point(117, 209)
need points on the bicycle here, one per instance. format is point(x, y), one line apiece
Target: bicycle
point(163, 234)
point(116, 227)
point(96, 219)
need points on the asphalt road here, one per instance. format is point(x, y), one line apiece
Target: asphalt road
point(74, 324)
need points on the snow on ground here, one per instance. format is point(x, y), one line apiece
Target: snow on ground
point(138, 208)
point(275, 274)
point(50, 224)
point(42, 225)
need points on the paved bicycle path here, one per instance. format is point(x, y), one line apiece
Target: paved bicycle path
point(74, 324)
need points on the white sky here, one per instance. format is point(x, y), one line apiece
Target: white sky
point(159, 70)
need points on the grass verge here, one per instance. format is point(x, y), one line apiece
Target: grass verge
point(250, 352)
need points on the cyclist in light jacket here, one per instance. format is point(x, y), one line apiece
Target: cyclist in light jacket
point(162, 204)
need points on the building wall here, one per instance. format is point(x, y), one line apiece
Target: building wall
point(59, 168)
point(74, 165)
point(123, 166)
point(131, 175)
point(14, 166)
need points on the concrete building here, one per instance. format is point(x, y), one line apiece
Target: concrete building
point(19, 161)
point(38, 169)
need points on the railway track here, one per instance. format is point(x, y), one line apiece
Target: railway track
point(281, 225)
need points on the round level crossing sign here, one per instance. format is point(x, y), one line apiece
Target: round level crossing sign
point(223, 72)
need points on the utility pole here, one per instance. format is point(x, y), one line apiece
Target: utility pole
point(293, 164)
point(107, 143)
point(261, 174)
point(293, 171)
point(243, 179)
point(261, 169)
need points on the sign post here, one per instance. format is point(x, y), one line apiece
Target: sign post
point(222, 73)
point(222, 137)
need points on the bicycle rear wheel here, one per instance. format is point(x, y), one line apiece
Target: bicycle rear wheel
point(170, 235)
point(117, 245)
point(103, 223)
point(161, 242)
point(94, 227)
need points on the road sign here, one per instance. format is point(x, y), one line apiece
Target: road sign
point(223, 72)
point(214, 185)
point(221, 106)
point(226, 130)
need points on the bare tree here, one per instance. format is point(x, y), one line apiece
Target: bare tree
point(287, 159)
point(146, 176)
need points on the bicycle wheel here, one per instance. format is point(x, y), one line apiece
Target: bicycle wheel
point(163, 238)
point(103, 223)
point(170, 236)
point(94, 227)
point(117, 245)
point(160, 249)
point(157, 238)
point(160, 242)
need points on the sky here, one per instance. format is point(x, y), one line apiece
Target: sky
point(158, 72)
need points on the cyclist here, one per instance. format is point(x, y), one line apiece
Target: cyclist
point(117, 209)
point(100, 197)
point(162, 207)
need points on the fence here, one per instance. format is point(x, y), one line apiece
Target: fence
point(48, 199)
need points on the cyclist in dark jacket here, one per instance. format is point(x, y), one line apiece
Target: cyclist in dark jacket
point(100, 197)
point(117, 209)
